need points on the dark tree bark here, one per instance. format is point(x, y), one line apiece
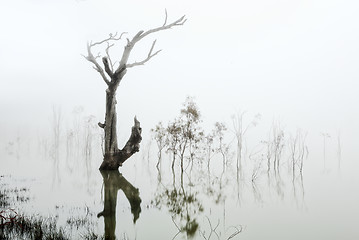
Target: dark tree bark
point(114, 160)
point(113, 156)
point(114, 181)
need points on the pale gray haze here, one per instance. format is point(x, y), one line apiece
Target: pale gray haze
point(291, 61)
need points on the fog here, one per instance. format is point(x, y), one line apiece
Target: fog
point(293, 62)
point(289, 59)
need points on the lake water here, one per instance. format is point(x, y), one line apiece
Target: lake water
point(202, 202)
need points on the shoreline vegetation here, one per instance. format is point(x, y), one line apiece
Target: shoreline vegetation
point(15, 224)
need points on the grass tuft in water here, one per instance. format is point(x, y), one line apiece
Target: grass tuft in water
point(15, 226)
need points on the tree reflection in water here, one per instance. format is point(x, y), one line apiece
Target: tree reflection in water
point(185, 203)
point(182, 204)
point(114, 181)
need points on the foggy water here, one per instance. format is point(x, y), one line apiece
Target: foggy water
point(293, 62)
point(202, 202)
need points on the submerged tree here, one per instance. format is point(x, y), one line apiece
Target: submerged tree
point(160, 136)
point(240, 130)
point(183, 135)
point(112, 74)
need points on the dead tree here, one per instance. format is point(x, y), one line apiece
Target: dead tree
point(112, 74)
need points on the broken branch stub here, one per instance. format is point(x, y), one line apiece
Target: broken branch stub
point(112, 162)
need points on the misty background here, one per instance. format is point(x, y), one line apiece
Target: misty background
point(291, 61)
point(295, 63)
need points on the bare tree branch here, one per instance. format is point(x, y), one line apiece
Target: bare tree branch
point(165, 18)
point(116, 76)
point(91, 58)
point(178, 22)
point(153, 45)
point(110, 38)
point(108, 55)
point(108, 70)
point(149, 56)
point(142, 34)
point(98, 55)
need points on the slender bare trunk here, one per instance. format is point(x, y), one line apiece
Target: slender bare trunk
point(111, 146)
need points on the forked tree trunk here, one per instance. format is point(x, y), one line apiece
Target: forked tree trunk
point(114, 157)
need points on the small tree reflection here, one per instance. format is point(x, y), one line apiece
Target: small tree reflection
point(114, 181)
point(325, 136)
point(55, 150)
point(182, 204)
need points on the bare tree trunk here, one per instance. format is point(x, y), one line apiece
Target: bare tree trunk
point(110, 128)
point(114, 157)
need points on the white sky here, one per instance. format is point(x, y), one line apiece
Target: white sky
point(293, 60)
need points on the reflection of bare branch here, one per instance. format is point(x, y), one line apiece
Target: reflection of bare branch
point(339, 151)
point(213, 230)
point(279, 185)
point(173, 220)
point(302, 187)
point(256, 192)
point(238, 231)
point(257, 161)
point(178, 228)
point(325, 136)
point(293, 142)
point(300, 197)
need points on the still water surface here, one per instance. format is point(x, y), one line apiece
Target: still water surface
point(143, 202)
